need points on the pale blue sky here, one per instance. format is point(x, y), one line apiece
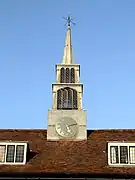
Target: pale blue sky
point(32, 36)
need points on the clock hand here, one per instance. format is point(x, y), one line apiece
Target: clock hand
point(72, 124)
point(68, 129)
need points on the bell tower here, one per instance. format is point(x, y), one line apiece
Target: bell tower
point(67, 119)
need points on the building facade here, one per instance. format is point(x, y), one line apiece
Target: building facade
point(67, 149)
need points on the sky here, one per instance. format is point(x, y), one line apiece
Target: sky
point(32, 37)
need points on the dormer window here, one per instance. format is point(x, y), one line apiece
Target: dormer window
point(13, 152)
point(121, 153)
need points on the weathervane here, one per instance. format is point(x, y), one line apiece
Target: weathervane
point(69, 20)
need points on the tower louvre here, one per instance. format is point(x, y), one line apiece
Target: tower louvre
point(67, 97)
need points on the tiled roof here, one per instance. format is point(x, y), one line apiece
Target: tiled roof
point(88, 156)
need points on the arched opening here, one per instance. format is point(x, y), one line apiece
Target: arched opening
point(75, 99)
point(67, 75)
point(62, 75)
point(72, 75)
point(59, 99)
point(67, 98)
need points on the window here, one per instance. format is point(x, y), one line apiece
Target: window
point(10, 153)
point(114, 154)
point(62, 75)
point(13, 152)
point(72, 75)
point(67, 75)
point(75, 99)
point(2, 153)
point(59, 99)
point(132, 154)
point(121, 153)
point(19, 153)
point(67, 98)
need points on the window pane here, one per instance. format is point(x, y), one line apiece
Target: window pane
point(74, 99)
point(72, 75)
point(19, 153)
point(67, 75)
point(62, 75)
point(65, 99)
point(114, 154)
point(123, 154)
point(132, 155)
point(10, 153)
point(59, 99)
point(70, 98)
point(2, 153)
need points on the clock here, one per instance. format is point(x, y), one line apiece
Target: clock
point(66, 127)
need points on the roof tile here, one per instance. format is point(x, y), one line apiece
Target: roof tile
point(88, 156)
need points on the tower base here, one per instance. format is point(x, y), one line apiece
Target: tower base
point(78, 115)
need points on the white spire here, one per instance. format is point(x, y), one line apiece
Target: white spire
point(68, 54)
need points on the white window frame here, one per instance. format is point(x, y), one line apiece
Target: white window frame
point(15, 144)
point(128, 144)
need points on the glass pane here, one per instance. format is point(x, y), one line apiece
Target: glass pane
point(74, 99)
point(132, 155)
point(67, 75)
point(10, 153)
point(72, 75)
point(114, 154)
point(70, 98)
point(19, 153)
point(59, 101)
point(62, 75)
point(65, 99)
point(123, 154)
point(2, 153)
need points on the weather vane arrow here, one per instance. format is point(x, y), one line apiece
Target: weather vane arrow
point(69, 20)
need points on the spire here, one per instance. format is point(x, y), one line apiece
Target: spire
point(68, 54)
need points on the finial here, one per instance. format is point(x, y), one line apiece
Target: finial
point(69, 20)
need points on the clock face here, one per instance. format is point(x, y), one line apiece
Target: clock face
point(66, 127)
